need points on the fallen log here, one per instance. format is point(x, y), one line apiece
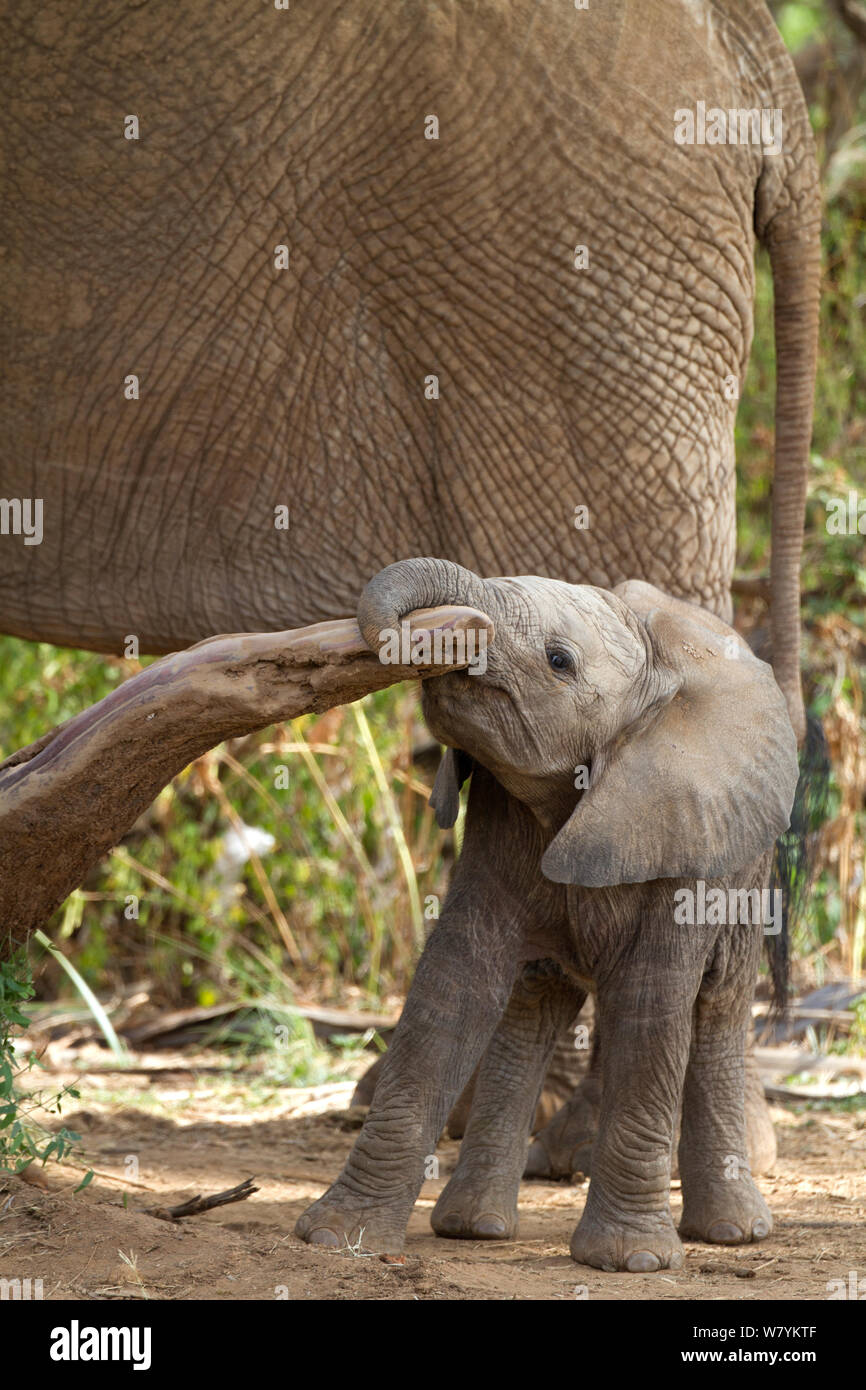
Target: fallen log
point(331, 1020)
point(66, 799)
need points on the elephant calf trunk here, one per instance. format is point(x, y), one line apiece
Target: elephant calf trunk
point(411, 584)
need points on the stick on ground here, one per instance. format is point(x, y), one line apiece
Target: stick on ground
point(196, 1205)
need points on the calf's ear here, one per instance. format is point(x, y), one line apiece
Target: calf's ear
point(703, 782)
point(454, 768)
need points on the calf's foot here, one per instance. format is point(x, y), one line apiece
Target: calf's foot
point(344, 1219)
point(640, 1244)
point(475, 1209)
point(724, 1211)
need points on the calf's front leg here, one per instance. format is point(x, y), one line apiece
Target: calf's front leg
point(460, 990)
point(452, 1008)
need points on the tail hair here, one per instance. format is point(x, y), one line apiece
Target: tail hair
point(795, 856)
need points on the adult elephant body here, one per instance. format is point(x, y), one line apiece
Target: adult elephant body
point(605, 380)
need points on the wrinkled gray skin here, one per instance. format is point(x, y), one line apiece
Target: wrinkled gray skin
point(566, 1117)
point(611, 387)
point(567, 1114)
point(692, 772)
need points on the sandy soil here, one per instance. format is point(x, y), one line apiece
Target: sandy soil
point(190, 1134)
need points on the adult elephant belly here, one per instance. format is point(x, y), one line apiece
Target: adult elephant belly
point(371, 281)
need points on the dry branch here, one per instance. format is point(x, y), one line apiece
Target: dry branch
point(196, 1205)
point(69, 797)
point(338, 1020)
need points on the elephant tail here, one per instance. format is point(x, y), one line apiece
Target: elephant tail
point(796, 854)
point(788, 222)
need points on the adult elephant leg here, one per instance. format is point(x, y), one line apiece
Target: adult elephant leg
point(461, 988)
point(760, 1135)
point(721, 1203)
point(645, 1012)
point(480, 1201)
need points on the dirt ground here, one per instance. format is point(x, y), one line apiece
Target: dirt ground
point(162, 1137)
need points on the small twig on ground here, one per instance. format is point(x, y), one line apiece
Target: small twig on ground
point(196, 1205)
point(358, 1248)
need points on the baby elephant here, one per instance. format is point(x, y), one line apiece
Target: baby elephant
point(632, 764)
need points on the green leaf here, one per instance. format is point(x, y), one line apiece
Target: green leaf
point(798, 23)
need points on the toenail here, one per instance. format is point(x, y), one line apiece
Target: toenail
point(490, 1226)
point(724, 1233)
point(642, 1262)
point(322, 1236)
point(676, 1260)
point(760, 1228)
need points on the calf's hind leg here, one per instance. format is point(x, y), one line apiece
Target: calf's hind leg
point(721, 1203)
point(644, 1001)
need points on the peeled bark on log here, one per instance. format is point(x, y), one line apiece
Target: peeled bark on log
point(68, 798)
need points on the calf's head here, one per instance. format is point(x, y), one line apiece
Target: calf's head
point(641, 730)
